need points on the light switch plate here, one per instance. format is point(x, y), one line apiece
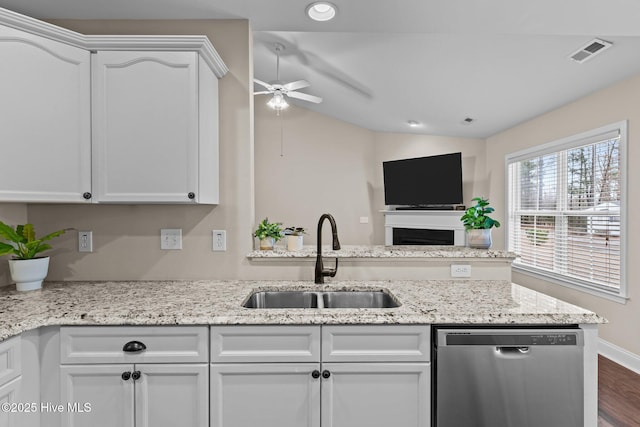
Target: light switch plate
point(171, 238)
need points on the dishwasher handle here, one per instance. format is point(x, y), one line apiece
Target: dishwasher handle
point(512, 351)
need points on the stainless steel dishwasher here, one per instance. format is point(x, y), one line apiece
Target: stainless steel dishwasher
point(508, 377)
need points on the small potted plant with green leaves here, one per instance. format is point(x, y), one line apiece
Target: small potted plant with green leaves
point(478, 224)
point(27, 269)
point(295, 238)
point(268, 233)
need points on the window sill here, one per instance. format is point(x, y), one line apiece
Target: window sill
point(618, 297)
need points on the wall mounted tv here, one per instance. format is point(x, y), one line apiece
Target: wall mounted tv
point(424, 181)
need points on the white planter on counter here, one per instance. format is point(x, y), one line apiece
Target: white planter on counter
point(294, 243)
point(29, 273)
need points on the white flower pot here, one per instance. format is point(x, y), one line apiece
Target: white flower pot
point(29, 273)
point(294, 243)
point(479, 239)
point(267, 243)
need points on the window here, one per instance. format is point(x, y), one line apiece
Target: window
point(566, 210)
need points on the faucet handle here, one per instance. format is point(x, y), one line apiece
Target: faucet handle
point(331, 272)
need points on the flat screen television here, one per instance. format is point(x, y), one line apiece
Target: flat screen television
point(424, 181)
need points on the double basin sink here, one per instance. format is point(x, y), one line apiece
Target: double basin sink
point(321, 299)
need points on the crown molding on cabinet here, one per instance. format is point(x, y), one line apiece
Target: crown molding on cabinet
point(196, 43)
point(200, 44)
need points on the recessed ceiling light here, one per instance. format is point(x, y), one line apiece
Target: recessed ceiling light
point(321, 11)
point(413, 123)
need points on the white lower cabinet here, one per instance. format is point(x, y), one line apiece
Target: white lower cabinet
point(376, 395)
point(265, 395)
point(102, 387)
point(374, 376)
point(9, 393)
point(128, 394)
point(10, 381)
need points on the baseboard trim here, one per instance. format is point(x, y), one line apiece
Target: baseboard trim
point(619, 355)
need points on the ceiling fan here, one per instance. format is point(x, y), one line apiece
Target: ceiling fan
point(281, 90)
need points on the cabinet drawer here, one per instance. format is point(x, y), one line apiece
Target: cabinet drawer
point(104, 344)
point(385, 343)
point(262, 344)
point(10, 367)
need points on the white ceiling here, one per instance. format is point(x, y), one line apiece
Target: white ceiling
point(382, 63)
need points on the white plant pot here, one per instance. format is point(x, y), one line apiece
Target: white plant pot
point(267, 243)
point(479, 239)
point(294, 243)
point(29, 273)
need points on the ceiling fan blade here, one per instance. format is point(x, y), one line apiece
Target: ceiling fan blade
point(297, 85)
point(305, 97)
point(262, 92)
point(261, 83)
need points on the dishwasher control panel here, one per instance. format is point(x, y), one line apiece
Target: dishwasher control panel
point(509, 338)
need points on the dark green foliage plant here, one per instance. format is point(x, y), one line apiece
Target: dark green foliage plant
point(22, 241)
point(268, 229)
point(477, 216)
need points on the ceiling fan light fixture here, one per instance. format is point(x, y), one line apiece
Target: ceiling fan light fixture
point(278, 102)
point(321, 11)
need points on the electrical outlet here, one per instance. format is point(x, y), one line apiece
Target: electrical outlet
point(171, 238)
point(364, 220)
point(460, 270)
point(219, 240)
point(85, 241)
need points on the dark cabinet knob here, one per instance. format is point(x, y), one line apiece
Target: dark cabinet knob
point(191, 195)
point(86, 195)
point(326, 374)
point(126, 376)
point(134, 346)
point(315, 374)
point(136, 375)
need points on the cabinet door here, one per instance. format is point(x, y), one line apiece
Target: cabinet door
point(9, 394)
point(145, 126)
point(172, 395)
point(101, 386)
point(376, 395)
point(45, 124)
point(265, 395)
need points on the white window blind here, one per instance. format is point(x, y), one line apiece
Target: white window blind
point(565, 205)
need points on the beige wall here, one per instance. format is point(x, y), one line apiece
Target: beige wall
point(325, 167)
point(331, 166)
point(616, 103)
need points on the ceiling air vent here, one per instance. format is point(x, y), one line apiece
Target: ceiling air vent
point(590, 50)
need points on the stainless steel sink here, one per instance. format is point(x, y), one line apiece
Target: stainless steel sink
point(282, 299)
point(359, 299)
point(321, 299)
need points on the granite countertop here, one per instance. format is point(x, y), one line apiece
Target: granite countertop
point(380, 251)
point(219, 303)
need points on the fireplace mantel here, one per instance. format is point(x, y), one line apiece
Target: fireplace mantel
point(425, 220)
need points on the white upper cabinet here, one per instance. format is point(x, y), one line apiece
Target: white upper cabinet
point(45, 128)
point(154, 128)
point(136, 122)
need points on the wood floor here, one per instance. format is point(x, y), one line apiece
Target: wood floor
point(618, 395)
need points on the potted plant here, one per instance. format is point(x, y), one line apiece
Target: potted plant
point(295, 237)
point(478, 224)
point(268, 233)
point(27, 269)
